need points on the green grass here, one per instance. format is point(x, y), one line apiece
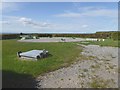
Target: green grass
point(107, 42)
point(63, 54)
point(0, 55)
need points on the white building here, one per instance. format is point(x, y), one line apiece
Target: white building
point(23, 37)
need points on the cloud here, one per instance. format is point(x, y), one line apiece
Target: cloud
point(25, 21)
point(69, 14)
point(90, 13)
point(76, 25)
point(91, 8)
point(29, 21)
point(6, 7)
point(0, 6)
point(103, 30)
point(84, 26)
point(5, 22)
point(102, 12)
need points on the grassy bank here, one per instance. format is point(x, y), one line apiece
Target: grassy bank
point(107, 42)
point(62, 54)
point(0, 55)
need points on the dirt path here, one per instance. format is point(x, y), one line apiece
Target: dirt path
point(100, 71)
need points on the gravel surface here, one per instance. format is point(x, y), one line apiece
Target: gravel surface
point(99, 72)
point(54, 39)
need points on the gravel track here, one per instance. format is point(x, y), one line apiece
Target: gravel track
point(102, 70)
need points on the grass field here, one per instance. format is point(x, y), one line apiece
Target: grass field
point(17, 73)
point(0, 55)
point(21, 74)
point(62, 54)
point(107, 42)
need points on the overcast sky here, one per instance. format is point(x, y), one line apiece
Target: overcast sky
point(59, 17)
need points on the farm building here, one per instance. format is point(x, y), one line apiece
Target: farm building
point(23, 37)
point(33, 54)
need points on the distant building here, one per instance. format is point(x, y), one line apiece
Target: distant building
point(23, 37)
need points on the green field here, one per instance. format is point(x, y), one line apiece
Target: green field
point(0, 54)
point(17, 73)
point(62, 54)
point(107, 42)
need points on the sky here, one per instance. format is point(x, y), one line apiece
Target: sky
point(59, 17)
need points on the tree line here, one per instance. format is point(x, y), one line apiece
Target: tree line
point(112, 35)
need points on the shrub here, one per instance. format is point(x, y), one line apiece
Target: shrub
point(115, 35)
